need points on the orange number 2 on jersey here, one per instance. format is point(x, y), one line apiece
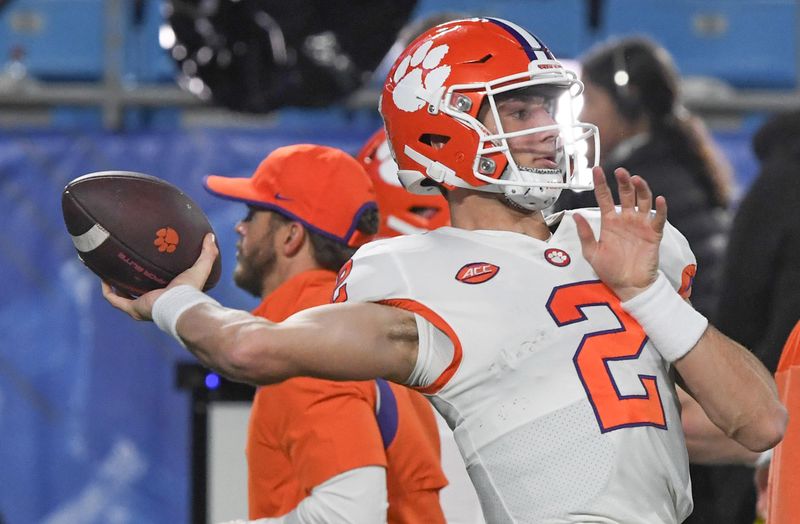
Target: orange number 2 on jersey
point(340, 292)
point(596, 349)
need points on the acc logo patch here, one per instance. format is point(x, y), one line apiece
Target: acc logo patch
point(477, 273)
point(557, 257)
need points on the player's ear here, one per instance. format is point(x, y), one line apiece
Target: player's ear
point(293, 237)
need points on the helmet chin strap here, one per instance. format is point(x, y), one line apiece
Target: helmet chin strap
point(530, 196)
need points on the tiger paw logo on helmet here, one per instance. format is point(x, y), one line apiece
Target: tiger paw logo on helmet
point(414, 88)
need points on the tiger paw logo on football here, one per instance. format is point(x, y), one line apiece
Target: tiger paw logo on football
point(167, 240)
point(419, 76)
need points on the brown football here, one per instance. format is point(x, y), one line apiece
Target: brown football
point(137, 232)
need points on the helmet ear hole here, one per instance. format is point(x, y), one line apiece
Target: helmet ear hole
point(424, 211)
point(433, 140)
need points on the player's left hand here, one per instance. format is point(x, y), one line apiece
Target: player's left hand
point(625, 257)
point(141, 308)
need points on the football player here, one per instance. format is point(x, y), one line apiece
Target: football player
point(552, 347)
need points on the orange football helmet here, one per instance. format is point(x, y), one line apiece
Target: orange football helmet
point(431, 101)
point(401, 212)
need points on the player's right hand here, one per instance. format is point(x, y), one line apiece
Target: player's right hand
point(141, 308)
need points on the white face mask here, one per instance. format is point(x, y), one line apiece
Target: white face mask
point(529, 186)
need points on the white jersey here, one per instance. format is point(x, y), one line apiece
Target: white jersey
point(561, 407)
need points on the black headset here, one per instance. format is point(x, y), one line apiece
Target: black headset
point(629, 102)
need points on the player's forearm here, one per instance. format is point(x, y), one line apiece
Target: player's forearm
point(718, 448)
point(731, 385)
point(706, 443)
point(224, 340)
point(735, 390)
point(253, 350)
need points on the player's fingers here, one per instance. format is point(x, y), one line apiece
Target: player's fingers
point(602, 193)
point(586, 236)
point(661, 214)
point(626, 189)
point(121, 303)
point(198, 274)
point(644, 197)
point(209, 251)
point(110, 295)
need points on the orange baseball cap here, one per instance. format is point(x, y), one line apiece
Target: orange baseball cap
point(322, 187)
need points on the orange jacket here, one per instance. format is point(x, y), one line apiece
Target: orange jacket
point(784, 481)
point(305, 431)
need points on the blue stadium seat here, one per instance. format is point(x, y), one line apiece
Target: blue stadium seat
point(66, 40)
point(59, 40)
point(748, 43)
